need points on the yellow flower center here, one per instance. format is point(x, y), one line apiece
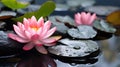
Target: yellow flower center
point(35, 28)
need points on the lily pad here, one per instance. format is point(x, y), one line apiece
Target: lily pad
point(104, 26)
point(62, 7)
point(102, 10)
point(13, 4)
point(6, 14)
point(114, 18)
point(60, 22)
point(30, 8)
point(46, 9)
point(82, 32)
point(74, 48)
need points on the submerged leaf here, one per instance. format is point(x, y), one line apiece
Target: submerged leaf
point(46, 9)
point(13, 4)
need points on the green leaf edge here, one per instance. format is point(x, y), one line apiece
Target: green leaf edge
point(38, 13)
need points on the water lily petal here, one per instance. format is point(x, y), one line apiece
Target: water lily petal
point(28, 35)
point(47, 25)
point(28, 46)
point(26, 23)
point(50, 32)
point(88, 17)
point(17, 38)
point(93, 17)
point(52, 39)
point(33, 22)
point(78, 19)
point(35, 37)
point(83, 18)
point(19, 32)
point(49, 40)
point(43, 33)
point(50, 44)
point(40, 22)
point(21, 26)
point(41, 49)
point(39, 31)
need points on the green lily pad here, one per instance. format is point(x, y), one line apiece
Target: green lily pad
point(102, 25)
point(13, 4)
point(45, 10)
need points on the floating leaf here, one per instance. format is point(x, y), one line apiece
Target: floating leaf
point(60, 22)
point(101, 10)
point(74, 48)
point(102, 25)
point(13, 4)
point(82, 32)
point(114, 18)
point(6, 15)
point(46, 9)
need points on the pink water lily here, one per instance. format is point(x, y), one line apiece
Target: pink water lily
point(35, 34)
point(84, 18)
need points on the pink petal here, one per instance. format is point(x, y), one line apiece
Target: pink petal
point(50, 32)
point(33, 22)
point(43, 33)
point(17, 38)
point(39, 31)
point(51, 39)
point(35, 37)
point(19, 32)
point(37, 43)
point(31, 31)
point(28, 46)
point(93, 17)
point(28, 34)
point(88, 16)
point(26, 23)
point(40, 22)
point(21, 26)
point(77, 20)
point(41, 49)
point(47, 25)
point(83, 17)
point(50, 44)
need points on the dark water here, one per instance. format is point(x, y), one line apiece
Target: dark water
point(108, 57)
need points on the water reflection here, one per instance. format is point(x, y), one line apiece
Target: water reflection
point(37, 61)
point(109, 57)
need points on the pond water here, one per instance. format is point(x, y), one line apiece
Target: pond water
point(109, 55)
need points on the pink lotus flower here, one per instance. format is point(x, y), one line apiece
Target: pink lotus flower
point(35, 34)
point(84, 18)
